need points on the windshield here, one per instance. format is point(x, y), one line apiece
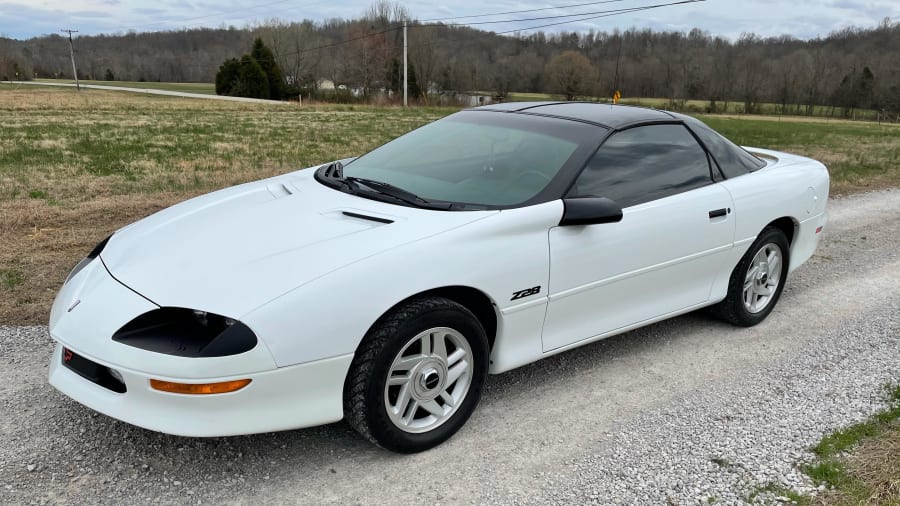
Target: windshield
point(480, 158)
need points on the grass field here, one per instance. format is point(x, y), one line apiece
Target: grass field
point(859, 156)
point(860, 464)
point(204, 88)
point(76, 166)
point(696, 106)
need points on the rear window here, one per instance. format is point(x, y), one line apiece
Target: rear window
point(732, 159)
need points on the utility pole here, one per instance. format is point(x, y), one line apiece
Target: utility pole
point(616, 79)
point(72, 56)
point(405, 70)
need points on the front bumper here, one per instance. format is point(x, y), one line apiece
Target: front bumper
point(93, 305)
point(292, 397)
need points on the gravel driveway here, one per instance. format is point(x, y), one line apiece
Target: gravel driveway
point(689, 410)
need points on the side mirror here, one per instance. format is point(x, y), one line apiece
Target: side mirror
point(590, 211)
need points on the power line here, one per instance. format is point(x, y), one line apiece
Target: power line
point(559, 16)
point(587, 17)
point(634, 9)
point(522, 11)
point(591, 16)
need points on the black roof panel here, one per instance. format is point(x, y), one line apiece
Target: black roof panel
point(614, 116)
point(514, 106)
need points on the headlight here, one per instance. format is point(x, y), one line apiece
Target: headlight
point(86, 260)
point(187, 333)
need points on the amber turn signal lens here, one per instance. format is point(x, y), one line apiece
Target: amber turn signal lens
point(199, 388)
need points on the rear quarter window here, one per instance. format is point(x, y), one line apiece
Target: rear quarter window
point(733, 160)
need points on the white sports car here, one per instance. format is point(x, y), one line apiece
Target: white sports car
point(383, 289)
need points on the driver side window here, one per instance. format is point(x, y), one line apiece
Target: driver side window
point(643, 164)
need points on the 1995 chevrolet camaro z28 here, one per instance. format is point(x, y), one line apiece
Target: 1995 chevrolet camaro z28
point(383, 289)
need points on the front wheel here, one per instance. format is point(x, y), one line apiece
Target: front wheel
point(757, 281)
point(417, 376)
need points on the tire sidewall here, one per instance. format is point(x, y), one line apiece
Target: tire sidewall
point(382, 428)
point(769, 236)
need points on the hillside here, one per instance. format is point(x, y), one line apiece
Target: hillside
point(851, 68)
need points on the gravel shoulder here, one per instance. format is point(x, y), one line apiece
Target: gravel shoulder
point(685, 410)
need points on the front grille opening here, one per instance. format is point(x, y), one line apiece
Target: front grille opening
point(93, 372)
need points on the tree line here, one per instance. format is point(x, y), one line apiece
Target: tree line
point(850, 69)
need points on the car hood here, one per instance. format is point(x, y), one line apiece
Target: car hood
point(232, 251)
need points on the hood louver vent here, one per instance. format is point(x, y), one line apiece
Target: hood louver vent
point(366, 217)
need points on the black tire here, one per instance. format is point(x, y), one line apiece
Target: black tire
point(364, 389)
point(732, 309)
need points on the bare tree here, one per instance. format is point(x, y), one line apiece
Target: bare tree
point(571, 74)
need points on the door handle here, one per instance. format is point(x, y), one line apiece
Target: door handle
point(718, 213)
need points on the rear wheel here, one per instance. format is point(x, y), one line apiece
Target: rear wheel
point(417, 376)
point(757, 281)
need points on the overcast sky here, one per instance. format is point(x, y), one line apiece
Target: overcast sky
point(22, 19)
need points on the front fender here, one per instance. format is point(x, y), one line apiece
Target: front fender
point(498, 256)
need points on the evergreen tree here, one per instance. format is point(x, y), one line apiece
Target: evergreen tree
point(252, 80)
point(227, 76)
point(413, 88)
point(255, 75)
point(396, 80)
point(266, 60)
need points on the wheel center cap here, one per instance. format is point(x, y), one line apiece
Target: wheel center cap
point(429, 379)
point(763, 275)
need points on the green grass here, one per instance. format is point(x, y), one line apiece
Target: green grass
point(699, 106)
point(204, 88)
point(532, 97)
point(75, 166)
point(737, 107)
point(842, 440)
point(832, 467)
point(11, 278)
point(146, 144)
point(780, 491)
point(858, 155)
point(719, 461)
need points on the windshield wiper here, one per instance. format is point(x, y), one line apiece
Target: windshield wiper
point(334, 172)
point(395, 192)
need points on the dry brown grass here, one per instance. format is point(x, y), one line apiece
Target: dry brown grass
point(797, 119)
point(872, 472)
point(76, 166)
point(860, 156)
point(876, 463)
point(41, 242)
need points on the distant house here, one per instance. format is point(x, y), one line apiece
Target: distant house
point(325, 84)
point(475, 100)
point(466, 99)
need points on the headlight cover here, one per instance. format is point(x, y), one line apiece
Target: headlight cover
point(90, 257)
point(187, 333)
